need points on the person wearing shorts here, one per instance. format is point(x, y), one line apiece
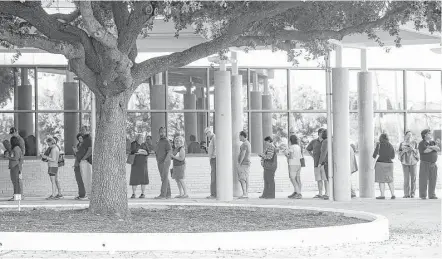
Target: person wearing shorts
point(323, 162)
point(52, 160)
point(244, 164)
point(294, 155)
point(314, 149)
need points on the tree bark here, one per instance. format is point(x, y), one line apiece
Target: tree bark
point(109, 187)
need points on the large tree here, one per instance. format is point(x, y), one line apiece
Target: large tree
point(99, 40)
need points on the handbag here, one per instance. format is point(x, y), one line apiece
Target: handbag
point(130, 159)
point(60, 160)
point(302, 160)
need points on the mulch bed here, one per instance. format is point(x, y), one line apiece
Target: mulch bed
point(169, 219)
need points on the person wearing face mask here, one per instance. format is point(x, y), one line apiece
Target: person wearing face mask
point(428, 151)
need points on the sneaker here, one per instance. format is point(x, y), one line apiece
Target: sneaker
point(77, 198)
point(353, 196)
point(211, 197)
point(160, 198)
point(298, 196)
point(433, 198)
point(133, 196)
point(393, 197)
point(317, 196)
point(292, 195)
point(423, 198)
point(142, 196)
point(380, 198)
point(50, 197)
point(58, 196)
point(412, 196)
point(406, 196)
point(184, 196)
point(243, 197)
point(178, 196)
point(325, 197)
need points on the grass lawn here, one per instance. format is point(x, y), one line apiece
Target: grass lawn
point(169, 219)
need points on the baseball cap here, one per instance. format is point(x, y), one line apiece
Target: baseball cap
point(12, 130)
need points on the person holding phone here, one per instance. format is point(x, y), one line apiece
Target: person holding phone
point(52, 160)
point(409, 156)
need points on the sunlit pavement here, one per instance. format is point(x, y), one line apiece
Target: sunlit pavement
point(415, 226)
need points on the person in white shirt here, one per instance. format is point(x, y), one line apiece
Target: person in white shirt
point(51, 157)
point(294, 155)
point(212, 156)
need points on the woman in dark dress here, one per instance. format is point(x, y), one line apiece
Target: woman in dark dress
point(138, 172)
point(384, 155)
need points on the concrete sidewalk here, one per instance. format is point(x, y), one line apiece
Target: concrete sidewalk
point(414, 231)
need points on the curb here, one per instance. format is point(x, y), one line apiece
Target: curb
point(376, 230)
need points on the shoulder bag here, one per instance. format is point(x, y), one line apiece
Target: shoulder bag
point(302, 160)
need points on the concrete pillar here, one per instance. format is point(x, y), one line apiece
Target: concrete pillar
point(190, 118)
point(267, 116)
point(365, 134)
point(157, 102)
point(256, 136)
point(201, 116)
point(237, 126)
point(71, 120)
point(223, 119)
point(341, 133)
point(25, 120)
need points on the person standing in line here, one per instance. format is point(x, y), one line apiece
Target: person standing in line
point(14, 133)
point(244, 164)
point(52, 160)
point(294, 156)
point(384, 167)
point(77, 170)
point(212, 156)
point(15, 157)
point(138, 170)
point(314, 149)
point(269, 161)
point(409, 156)
point(323, 162)
point(428, 169)
point(163, 156)
point(194, 146)
point(86, 159)
point(179, 166)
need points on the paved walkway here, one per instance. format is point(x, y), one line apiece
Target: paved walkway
point(415, 227)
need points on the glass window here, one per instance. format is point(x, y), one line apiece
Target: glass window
point(416, 122)
point(307, 89)
point(392, 124)
point(6, 122)
point(50, 125)
point(306, 125)
point(388, 90)
point(424, 90)
point(138, 123)
point(140, 99)
point(190, 82)
point(279, 129)
point(50, 88)
point(8, 79)
point(273, 82)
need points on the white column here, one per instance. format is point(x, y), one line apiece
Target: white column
point(223, 121)
point(364, 60)
point(341, 133)
point(366, 134)
point(237, 126)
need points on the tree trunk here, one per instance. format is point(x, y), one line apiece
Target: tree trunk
point(109, 187)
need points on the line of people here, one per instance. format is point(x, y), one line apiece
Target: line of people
point(167, 155)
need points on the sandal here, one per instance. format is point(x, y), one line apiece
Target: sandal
point(317, 196)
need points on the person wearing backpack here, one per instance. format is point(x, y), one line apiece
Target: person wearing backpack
point(269, 161)
point(51, 156)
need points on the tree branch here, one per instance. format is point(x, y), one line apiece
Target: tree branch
point(66, 18)
point(236, 26)
point(35, 41)
point(95, 29)
point(127, 35)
